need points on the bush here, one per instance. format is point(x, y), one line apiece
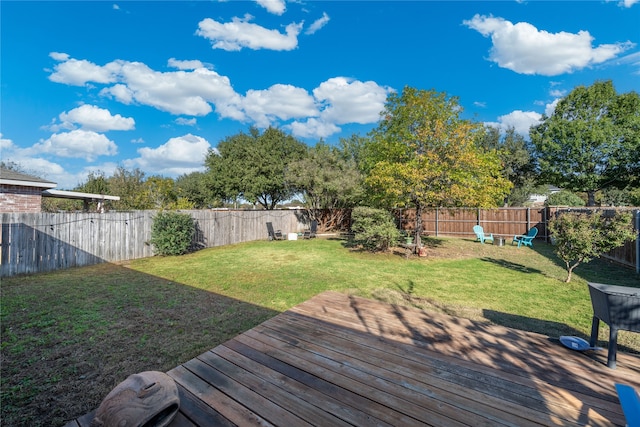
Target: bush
point(374, 229)
point(172, 233)
point(564, 198)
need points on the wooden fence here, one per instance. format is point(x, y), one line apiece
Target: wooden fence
point(40, 242)
point(508, 222)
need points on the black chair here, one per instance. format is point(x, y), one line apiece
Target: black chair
point(308, 234)
point(274, 234)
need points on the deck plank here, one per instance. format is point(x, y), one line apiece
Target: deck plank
point(340, 360)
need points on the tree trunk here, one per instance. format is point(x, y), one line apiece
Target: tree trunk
point(570, 270)
point(591, 198)
point(418, 226)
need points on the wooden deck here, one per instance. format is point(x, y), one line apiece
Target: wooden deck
point(338, 360)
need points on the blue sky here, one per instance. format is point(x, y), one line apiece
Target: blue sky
point(91, 85)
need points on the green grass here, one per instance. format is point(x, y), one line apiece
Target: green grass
point(69, 337)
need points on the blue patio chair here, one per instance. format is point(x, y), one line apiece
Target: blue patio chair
point(525, 239)
point(630, 402)
point(480, 234)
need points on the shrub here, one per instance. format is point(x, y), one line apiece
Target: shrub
point(564, 198)
point(374, 229)
point(581, 237)
point(172, 233)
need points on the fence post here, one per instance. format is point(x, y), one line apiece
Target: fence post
point(528, 219)
point(437, 224)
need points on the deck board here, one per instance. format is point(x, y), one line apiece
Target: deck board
point(339, 360)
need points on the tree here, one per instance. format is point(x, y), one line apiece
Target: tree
point(327, 180)
point(581, 237)
point(196, 188)
point(423, 154)
point(129, 185)
point(564, 198)
point(591, 141)
point(517, 163)
point(253, 166)
point(160, 191)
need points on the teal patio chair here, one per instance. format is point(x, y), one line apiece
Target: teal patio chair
point(525, 239)
point(480, 234)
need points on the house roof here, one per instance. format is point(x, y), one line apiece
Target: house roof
point(77, 195)
point(11, 177)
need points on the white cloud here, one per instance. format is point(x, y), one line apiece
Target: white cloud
point(523, 48)
point(186, 122)
point(557, 93)
point(551, 107)
point(240, 33)
point(195, 90)
point(5, 144)
point(185, 65)
point(312, 128)
point(181, 155)
point(277, 7)
point(521, 121)
point(351, 101)
point(318, 24)
point(628, 3)
point(282, 102)
point(78, 72)
point(91, 117)
point(77, 144)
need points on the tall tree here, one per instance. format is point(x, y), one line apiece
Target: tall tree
point(517, 163)
point(253, 166)
point(129, 185)
point(160, 191)
point(591, 141)
point(423, 154)
point(328, 181)
point(195, 187)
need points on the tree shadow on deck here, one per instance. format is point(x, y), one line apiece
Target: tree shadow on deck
point(502, 351)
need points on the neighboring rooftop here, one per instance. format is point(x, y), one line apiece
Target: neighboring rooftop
point(11, 177)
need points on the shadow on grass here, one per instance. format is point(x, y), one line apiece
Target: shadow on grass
point(70, 336)
point(511, 265)
point(599, 270)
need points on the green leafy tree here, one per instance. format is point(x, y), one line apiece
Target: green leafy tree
point(327, 180)
point(581, 237)
point(422, 154)
point(160, 191)
point(373, 228)
point(517, 163)
point(253, 166)
point(591, 141)
point(172, 233)
point(564, 198)
point(129, 186)
point(196, 188)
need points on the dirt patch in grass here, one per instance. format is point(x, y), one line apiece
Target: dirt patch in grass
point(67, 342)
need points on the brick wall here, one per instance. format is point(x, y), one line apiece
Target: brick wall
point(16, 198)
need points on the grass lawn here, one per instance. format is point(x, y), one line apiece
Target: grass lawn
point(69, 337)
